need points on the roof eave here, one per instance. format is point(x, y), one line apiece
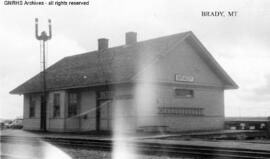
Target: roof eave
point(231, 87)
point(71, 87)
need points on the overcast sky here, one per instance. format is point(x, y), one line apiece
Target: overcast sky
point(240, 44)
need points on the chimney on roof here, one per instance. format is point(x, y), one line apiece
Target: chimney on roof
point(131, 38)
point(103, 44)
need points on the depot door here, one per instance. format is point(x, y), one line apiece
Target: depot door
point(104, 110)
point(105, 122)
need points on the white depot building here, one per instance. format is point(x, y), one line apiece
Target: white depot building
point(171, 83)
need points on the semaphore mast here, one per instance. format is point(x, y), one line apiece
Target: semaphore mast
point(43, 38)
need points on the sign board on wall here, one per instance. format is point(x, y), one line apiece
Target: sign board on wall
point(184, 78)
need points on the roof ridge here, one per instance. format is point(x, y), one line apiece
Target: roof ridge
point(137, 43)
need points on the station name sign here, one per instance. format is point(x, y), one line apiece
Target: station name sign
point(183, 78)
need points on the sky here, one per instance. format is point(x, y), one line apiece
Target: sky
point(240, 44)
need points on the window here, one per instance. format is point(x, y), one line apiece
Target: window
point(73, 104)
point(56, 105)
point(186, 93)
point(32, 106)
point(105, 95)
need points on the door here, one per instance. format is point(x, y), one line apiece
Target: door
point(105, 115)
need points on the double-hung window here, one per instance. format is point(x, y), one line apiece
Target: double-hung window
point(56, 105)
point(32, 107)
point(73, 104)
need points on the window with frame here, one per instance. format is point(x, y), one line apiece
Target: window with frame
point(32, 107)
point(56, 105)
point(73, 104)
point(185, 93)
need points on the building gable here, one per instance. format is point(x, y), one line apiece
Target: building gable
point(187, 63)
point(183, 65)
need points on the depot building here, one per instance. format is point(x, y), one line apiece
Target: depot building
point(170, 83)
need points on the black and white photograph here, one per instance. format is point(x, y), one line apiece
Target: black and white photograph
point(134, 79)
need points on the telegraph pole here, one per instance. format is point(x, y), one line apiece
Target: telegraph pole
point(43, 38)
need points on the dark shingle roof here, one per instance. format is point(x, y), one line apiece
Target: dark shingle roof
point(113, 65)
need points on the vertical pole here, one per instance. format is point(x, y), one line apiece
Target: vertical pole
point(43, 107)
point(44, 103)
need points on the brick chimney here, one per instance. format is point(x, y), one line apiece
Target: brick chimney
point(103, 44)
point(131, 38)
